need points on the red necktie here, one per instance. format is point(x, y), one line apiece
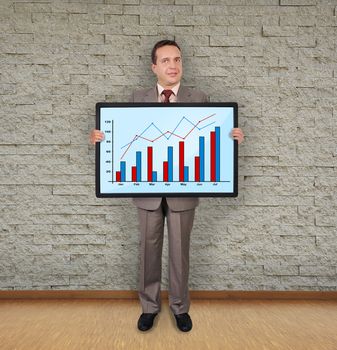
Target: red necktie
point(167, 94)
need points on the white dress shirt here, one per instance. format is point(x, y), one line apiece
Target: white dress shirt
point(173, 97)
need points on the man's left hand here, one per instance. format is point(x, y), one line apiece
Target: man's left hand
point(238, 135)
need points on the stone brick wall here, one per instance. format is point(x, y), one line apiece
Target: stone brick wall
point(276, 58)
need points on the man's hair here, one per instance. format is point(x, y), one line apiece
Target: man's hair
point(159, 44)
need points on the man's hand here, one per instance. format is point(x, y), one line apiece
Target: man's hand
point(96, 136)
point(238, 135)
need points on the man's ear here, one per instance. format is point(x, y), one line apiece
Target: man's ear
point(153, 67)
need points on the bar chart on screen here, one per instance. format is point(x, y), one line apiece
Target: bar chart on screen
point(167, 150)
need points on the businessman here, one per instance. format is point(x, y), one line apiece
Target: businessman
point(179, 212)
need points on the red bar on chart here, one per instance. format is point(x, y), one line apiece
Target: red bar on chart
point(213, 157)
point(181, 161)
point(118, 176)
point(134, 174)
point(149, 164)
point(197, 169)
point(165, 171)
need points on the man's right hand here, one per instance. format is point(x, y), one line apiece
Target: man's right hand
point(96, 136)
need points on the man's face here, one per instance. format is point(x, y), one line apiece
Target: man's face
point(168, 67)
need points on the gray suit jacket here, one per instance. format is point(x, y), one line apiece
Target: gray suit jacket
point(185, 94)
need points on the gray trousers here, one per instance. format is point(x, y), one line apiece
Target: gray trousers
point(179, 225)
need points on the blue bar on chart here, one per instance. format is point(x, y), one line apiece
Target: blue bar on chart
point(139, 166)
point(202, 157)
point(217, 153)
point(185, 173)
point(123, 171)
point(154, 176)
point(170, 163)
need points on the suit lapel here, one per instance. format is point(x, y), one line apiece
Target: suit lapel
point(184, 94)
point(151, 95)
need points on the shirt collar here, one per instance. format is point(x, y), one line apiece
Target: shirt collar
point(174, 89)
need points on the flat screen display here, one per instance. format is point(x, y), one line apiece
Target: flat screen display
point(175, 149)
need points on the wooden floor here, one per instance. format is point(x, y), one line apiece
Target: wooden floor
point(111, 324)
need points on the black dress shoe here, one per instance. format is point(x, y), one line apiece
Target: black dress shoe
point(145, 321)
point(184, 322)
